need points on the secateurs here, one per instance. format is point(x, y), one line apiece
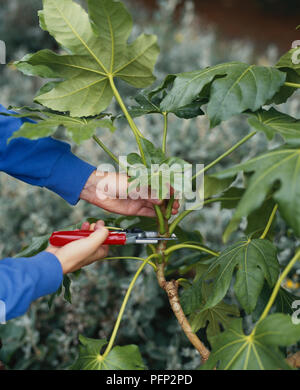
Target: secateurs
point(120, 237)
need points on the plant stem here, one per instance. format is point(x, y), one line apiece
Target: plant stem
point(171, 288)
point(164, 145)
point(267, 228)
point(169, 207)
point(189, 246)
point(106, 150)
point(160, 219)
point(229, 151)
point(131, 123)
point(278, 285)
point(294, 85)
point(130, 258)
point(117, 324)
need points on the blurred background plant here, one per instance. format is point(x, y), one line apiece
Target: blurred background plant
point(47, 339)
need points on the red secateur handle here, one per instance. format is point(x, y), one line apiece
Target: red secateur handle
point(60, 239)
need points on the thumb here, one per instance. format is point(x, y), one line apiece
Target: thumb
point(81, 249)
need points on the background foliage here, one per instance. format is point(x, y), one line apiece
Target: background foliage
point(44, 339)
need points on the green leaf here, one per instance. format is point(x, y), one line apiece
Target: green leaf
point(254, 261)
point(214, 318)
point(235, 88)
point(292, 70)
point(231, 197)
point(290, 60)
point(119, 358)
point(283, 302)
point(79, 129)
point(273, 121)
point(258, 219)
point(277, 329)
point(233, 350)
point(38, 244)
point(150, 104)
point(67, 286)
point(146, 106)
point(97, 49)
point(195, 297)
point(213, 185)
point(278, 165)
point(153, 154)
point(160, 173)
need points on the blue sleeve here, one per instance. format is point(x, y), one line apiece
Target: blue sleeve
point(45, 162)
point(23, 280)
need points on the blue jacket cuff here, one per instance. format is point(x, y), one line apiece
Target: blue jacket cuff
point(68, 177)
point(50, 274)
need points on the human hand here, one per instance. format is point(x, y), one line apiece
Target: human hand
point(82, 252)
point(117, 183)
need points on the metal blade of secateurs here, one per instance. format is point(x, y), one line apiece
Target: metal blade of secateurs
point(164, 239)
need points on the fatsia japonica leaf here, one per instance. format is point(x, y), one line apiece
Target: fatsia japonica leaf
point(214, 319)
point(290, 60)
point(160, 173)
point(235, 88)
point(194, 298)
point(256, 220)
point(150, 104)
point(96, 50)
point(231, 197)
point(37, 245)
point(254, 262)
point(213, 185)
point(278, 165)
point(79, 129)
point(282, 304)
point(119, 358)
point(273, 122)
point(234, 350)
point(290, 64)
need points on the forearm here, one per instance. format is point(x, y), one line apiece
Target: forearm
point(45, 162)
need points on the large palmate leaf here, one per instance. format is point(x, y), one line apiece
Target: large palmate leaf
point(235, 88)
point(254, 261)
point(79, 129)
point(273, 122)
point(214, 318)
point(97, 50)
point(233, 350)
point(258, 219)
point(119, 358)
point(279, 165)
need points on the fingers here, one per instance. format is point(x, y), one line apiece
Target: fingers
point(82, 252)
point(146, 208)
point(94, 226)
point(85, 226)
point(99, 225)
point(146, 212)
point(85, 247)
point(176, 206)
